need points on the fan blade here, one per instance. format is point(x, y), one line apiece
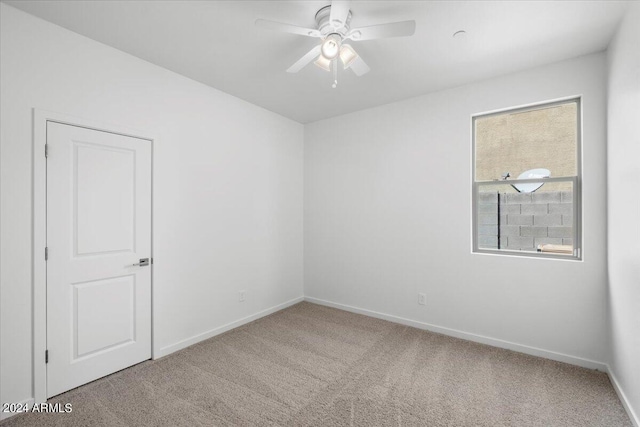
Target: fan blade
point(287, 28)
point(395, 29)
point(302, 62)
point(359, 67)
point(339, 13)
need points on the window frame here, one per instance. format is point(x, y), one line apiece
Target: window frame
point(576, 180)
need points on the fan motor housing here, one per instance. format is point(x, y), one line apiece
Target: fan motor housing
point(325, 26)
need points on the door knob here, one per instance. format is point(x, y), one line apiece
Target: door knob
point(143, 262)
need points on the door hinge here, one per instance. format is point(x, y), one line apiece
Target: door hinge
point(46, 253)
point(46, 150)
point(46, 356)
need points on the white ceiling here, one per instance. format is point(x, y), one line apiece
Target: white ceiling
point(216, 43)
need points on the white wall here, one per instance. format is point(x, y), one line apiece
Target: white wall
point(387, 215)
point(228, 189)
point(623, 186)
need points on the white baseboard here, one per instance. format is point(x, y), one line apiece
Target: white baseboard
point(623, 398)
point(224, 328)
point(495, 342)
point(5, 415)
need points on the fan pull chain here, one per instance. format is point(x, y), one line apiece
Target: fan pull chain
point(335, 73)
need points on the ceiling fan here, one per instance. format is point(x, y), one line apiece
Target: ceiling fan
point(333, 24)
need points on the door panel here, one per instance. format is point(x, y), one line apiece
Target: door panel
point(107, 306)
point(110, 203)
point(98, 226)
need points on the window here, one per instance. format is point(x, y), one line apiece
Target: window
point(526, 181)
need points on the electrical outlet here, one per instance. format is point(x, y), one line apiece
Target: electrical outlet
point(422, 299)
point(241, 296)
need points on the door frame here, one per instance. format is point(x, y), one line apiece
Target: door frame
point(39, 236)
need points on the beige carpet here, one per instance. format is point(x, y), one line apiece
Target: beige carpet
point(317, 366)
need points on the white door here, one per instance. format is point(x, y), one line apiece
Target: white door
point(98, 227)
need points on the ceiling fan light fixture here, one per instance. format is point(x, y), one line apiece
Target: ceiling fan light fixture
point(323, 63)
point(347, 55)
point(333, 28)
point(331, 46)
